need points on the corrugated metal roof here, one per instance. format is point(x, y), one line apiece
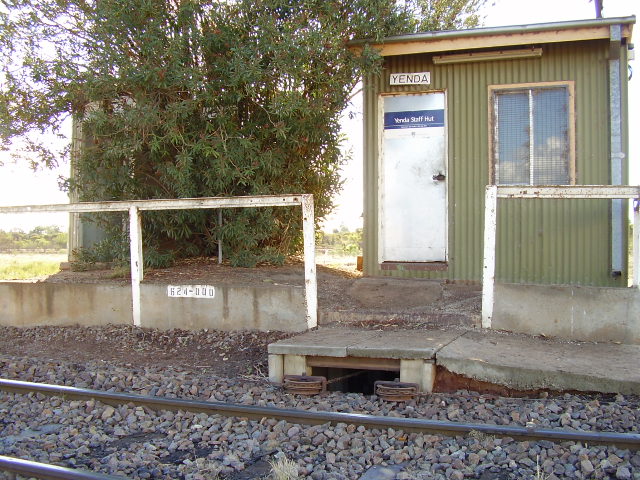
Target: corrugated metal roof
point(592, 29)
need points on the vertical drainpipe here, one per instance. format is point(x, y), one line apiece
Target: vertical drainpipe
point(616, 153)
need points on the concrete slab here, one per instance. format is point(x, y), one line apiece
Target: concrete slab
point(407, 344)
point(572, 312)
point(393, 293)
point(522, 362)
point(328, 342)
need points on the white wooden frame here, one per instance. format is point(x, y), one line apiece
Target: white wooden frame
point(494, 192)
point(134, 207)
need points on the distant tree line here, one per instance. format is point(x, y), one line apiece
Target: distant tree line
point(40, 238)
point(341, 241)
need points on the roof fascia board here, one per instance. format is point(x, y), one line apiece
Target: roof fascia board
point(499, 36)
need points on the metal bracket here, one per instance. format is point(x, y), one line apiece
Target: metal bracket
point(304, 384)
point(396, 391)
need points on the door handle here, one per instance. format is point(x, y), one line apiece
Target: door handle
point(439, 177)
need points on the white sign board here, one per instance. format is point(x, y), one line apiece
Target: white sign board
point(417, 78)
point(191, 291)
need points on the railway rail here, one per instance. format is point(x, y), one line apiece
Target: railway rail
point(304, 417)
point(49, 472)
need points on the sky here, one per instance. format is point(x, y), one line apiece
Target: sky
point(20, 186)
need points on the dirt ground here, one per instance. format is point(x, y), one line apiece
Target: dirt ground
point(342, 290)
point(236, 353)
point(225, 354)
point(333, 283)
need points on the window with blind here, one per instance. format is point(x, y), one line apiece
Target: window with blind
point(532, 138)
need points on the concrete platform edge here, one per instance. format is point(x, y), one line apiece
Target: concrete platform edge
point(532, 379)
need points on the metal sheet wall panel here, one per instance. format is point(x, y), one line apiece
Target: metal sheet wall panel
point(539, 241)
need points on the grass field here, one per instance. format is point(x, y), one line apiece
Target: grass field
point(22, 266)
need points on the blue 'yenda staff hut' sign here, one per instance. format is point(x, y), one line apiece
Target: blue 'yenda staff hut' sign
point(414, 119)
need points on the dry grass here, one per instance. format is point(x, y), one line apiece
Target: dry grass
point(22, 266)
point(283, 469)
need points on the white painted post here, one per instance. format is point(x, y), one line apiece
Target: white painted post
point(137, 270)
point(636, 243)
point(489, 261)
point(219, 238)
point(310, 280)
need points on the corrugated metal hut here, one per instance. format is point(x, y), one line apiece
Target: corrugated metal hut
point(455, 111)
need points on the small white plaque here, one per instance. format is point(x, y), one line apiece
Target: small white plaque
point(417, 78)
point(191, 291)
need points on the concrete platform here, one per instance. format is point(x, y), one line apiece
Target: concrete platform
point(525, 362)
point(515, 361)
point(411, 353)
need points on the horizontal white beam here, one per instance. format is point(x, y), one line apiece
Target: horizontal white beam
point(569, 191)
point(170, 204)
point(134, 207)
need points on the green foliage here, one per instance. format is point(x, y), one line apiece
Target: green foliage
point(186, 98)
point(341, 242)
point(40, 238)
point(433, 15)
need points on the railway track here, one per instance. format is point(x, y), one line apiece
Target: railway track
point(530, 432)
point(49, 472)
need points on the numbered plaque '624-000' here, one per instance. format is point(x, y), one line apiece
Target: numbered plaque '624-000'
point(191, 291)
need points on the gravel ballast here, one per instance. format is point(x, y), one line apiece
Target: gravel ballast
point(140, 443)
point(136, 442)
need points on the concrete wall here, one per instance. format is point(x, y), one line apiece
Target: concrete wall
point(578, 313)
point(232, 308)
point(29, 304)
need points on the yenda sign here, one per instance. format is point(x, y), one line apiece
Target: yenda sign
point(414, 119)
point(418, 78)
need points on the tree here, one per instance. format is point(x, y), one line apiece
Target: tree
point(186, 98)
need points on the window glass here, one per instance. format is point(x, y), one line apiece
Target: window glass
point(513, 138)
point(531, 136)
point(551, 137)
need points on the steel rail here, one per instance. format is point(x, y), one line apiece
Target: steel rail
point(626, 440)
point(49, 472)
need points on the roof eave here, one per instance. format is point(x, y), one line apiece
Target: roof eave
point(513, 35)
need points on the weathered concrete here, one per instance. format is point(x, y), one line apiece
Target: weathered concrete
point(517, 361)
point(433, 319)
point(404, 344)
point(414, 348)
point(296, 365)
point(276, 368)
point(328, 342)
point(522, 362)
point(232, 308)
point(418, 371)
point(579, 313)
point(392, 292)
point(26, 304)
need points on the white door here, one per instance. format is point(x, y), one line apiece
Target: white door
point(413, 179)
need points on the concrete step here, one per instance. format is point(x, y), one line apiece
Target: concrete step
point(382, 318)
point(515, 361)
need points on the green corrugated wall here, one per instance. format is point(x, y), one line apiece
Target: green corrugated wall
point(539, 241)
